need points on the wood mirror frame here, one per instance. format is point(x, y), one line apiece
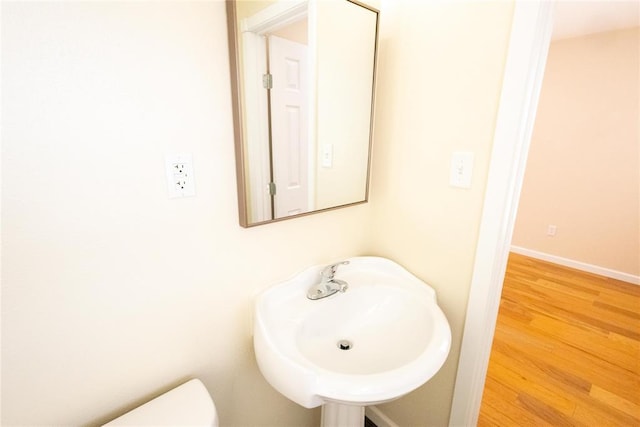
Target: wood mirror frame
point(339, 111)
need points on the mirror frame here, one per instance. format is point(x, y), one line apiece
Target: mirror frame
point(239, 137)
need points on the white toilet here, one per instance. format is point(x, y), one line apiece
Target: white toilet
point(186, 405)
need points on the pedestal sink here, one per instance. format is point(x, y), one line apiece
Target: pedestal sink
point(381, 338)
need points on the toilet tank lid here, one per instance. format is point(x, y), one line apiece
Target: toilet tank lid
point(186, 405)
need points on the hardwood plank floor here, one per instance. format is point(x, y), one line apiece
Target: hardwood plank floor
point(566, 350)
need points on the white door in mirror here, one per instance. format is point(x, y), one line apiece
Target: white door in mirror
point(180, 178)
point(289, 126)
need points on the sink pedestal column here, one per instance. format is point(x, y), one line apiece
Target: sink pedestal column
point(339, 415)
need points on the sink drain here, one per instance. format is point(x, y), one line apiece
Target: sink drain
point(345, 345)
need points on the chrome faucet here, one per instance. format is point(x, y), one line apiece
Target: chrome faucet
point(328, 285)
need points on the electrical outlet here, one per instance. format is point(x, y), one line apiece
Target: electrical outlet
point(180, 178)
point(551, 230)
point(179, 168)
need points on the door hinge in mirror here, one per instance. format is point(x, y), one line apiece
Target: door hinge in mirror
point(267, 81)
point(272, 188)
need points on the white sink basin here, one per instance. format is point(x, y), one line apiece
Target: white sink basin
point(397, 336)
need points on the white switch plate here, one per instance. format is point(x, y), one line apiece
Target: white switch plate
point(327, 155)
point(180, 178)
point(461, 169)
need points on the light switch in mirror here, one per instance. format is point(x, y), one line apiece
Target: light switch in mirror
point(303, 80)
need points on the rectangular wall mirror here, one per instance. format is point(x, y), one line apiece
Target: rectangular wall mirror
point(303, 80)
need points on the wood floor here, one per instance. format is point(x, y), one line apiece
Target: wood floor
point(566, 350)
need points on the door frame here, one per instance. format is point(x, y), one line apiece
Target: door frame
point(255, 99)
point(524, 71)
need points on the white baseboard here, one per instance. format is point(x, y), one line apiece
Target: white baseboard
point(578, 265)
point(378, 417)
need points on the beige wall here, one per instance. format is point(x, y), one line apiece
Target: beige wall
point(112, 292)
point(343, 106)
point(441, 70)
point(583, 172)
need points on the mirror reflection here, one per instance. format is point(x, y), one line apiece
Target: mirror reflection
point(303, 77)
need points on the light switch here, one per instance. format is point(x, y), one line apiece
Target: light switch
point(327, 155)
point(461, 169)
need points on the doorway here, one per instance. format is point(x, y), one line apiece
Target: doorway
point(276, 68)
point(531, 32)
point(524, 69)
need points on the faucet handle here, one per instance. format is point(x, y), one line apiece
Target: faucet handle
point(329, 271)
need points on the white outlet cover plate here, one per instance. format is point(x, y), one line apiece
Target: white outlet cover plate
point(180, 181)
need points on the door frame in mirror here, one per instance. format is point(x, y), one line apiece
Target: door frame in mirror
point(257, 145)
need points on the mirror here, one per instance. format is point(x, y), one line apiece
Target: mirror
point(303, 78)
